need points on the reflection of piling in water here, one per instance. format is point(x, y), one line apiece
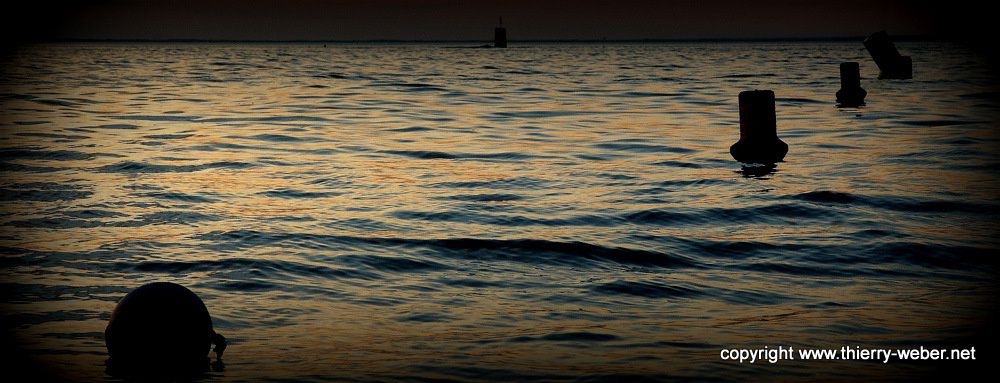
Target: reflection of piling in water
point(890, 63)
point(161, 328)
point(850, 93)
point(759, 142)
point(500, 36)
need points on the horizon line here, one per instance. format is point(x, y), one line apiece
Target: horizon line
point(355, 41)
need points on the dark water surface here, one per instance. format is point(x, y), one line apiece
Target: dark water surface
point(546, 212)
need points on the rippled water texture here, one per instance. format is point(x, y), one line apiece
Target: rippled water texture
point(545, 212)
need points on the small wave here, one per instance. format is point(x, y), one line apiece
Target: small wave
point(674, 79)
point(92, 213)
point(168, 217)
point(741, 249)
point(518, 250)
point(141, 167)
point(643, 148)
point(228, 145)
point(56, 316)
point(290, 193)
point(268, 267)
point(933, 255)
point(678, 164)
point(44, 195)
point(544, 113)
point(244, 286)
point(431, 155)
point(422, 154)
point(51, 223)
point(379, 301)
point(616, 177)
point(504, 220)
point(168, 136)
point(825, 197)
point(581, 336)
point(484, 197)
point(15, 167)
point(180, 217)
point(54, 102)
point(361, 224)
point(175, 196)
point(762, 213)
point(410, 129)
point(660, 217)
point(424, 318)
point(391, 264)
point(523, 72)
point(917, 205)
point(747, 75)
point(339, 182)
point(692, 182)
point(277, 138)
point(678, 290)
point(332, 75)
point(649, 94)
point(476, 283)
point(114, 127)
point(755, 214)
point(542, 251)
point(669, 344)
point(38, 154)
point(939, 122)
point(156, 118)
point(646, 290)
point(897, 203)
point(233, 64)
point(284, 118)
point(792, 100)
point(816, 269)
point(591, 157)
point(413, 87)
point(68, 137)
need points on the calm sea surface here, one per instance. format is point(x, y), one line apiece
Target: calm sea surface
point(545, 212)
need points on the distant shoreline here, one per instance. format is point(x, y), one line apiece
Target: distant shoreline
point(557, 41)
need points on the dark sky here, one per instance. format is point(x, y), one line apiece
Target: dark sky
point(474, 20)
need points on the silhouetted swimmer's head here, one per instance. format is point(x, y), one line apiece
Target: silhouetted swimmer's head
point(161, 328)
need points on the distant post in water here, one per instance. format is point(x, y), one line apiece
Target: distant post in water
point(759, 142)
point(850, 93)
point(500, 36)
point(890, 63)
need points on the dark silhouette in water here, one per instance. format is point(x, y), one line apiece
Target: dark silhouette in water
point(850, 93)
point(890, 63)
point(500, 36)
point(759, 142)
point(161, 329)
